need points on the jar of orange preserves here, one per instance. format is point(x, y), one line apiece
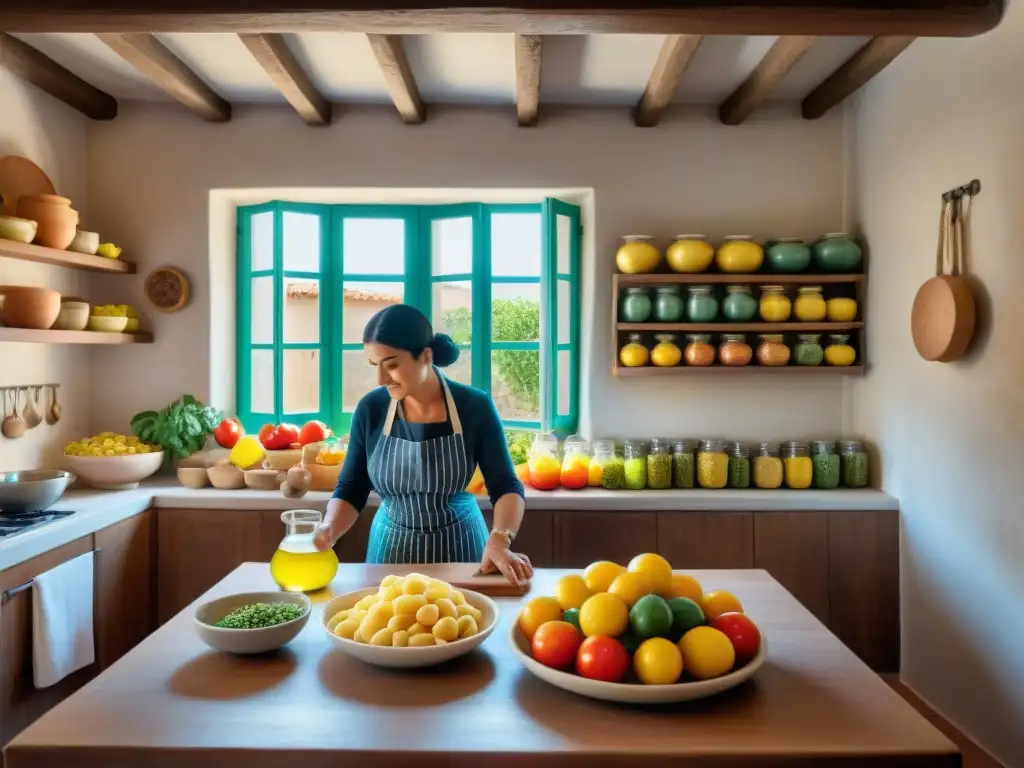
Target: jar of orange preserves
point(575, 463)
point(699, 350)
point(734, 349)
point(545, 469)
point(772, 350)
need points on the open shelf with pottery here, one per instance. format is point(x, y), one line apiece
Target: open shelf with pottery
point(40, 255)
point(31, 336)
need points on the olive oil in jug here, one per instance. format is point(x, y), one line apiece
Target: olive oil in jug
point(297, 565)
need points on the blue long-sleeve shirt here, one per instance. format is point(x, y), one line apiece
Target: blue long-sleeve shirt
point(483, 435)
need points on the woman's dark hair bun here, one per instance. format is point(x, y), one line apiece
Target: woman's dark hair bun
point(444, 349)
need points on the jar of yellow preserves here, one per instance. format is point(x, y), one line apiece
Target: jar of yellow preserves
point(637, 255)
point(774, 306)
point(633, 353)
point(767, 467)
point(690, 254)
point(739, 254)
point(841, 309)
point(839, 352)
point(712, 464)
point(809, 306)
point(666, 352)
point(798, 469)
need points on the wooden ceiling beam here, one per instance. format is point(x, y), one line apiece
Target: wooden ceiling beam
point(155, 60)
point(528, 64)
point(401, 84)
point(273, 54)
point(776, 64)
point(923, 18)
point(24, 61)
point(853, 74)
point(675, 56)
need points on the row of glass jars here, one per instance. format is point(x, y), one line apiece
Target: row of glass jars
point(734, 350)
point(665, 304)
point(692, 254)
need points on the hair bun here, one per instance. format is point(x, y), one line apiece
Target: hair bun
point(444, 349)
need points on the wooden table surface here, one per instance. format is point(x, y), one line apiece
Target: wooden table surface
point(174, 702)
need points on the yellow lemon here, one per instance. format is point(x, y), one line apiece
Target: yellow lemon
point(658, 662)
point(571, 591)
point(536, 612)
point(631, 586)
point(715, 603)
point(687, 586)
point(600, 575)
point(657, 570)
point(604, 614)
point(707, 652)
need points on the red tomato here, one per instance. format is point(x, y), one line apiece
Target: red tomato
point(280, 437)
point(602, 658)
point(227, 433)
point(742, 633)
point(555, 644)
point(286, 434)
point(313, 432)
point(265, 431)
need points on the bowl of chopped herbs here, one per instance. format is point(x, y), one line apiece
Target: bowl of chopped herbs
point(252, 622)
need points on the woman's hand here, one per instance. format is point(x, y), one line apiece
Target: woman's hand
point(498, 557)
point(323, 539)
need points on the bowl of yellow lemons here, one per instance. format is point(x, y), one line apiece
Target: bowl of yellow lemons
point(111, 461)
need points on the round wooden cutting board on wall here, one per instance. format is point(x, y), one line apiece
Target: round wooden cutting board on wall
point(167, 289)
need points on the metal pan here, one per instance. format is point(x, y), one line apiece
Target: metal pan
point(32, 490)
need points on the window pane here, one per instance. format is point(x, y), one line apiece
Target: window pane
point(516, 244)
point(261, 241)
point(462, 370)
point(301, 368)
point(301, 311)
point(301, 242)
point(452, 310)
point(261, 299)
point(564, 382)
point(357, 378)
point(261, 381)
point(564, 307)
point(563, 227)
point(451, 246)
point(515, 384)
point(361, 301)
point(373, 246)
point(515, 312)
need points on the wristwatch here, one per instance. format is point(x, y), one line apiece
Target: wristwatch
point(506, 532)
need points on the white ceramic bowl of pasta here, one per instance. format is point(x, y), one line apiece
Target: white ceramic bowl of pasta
point(407, 658)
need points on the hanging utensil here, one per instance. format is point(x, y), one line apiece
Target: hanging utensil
point(33, 418)
point(14, 426)
point(55, 409)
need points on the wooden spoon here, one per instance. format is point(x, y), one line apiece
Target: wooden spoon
point(55, 409)
point(33, 418)
point(14, 426)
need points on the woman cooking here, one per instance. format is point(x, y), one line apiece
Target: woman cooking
point(417, 439)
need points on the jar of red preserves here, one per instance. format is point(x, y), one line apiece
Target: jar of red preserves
point(699, 350)
point(772, 350)
point(734, 350)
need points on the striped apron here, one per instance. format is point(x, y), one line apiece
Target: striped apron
point(426, 515)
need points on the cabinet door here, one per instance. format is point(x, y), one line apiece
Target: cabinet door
point(691, 540)
point(21, 703)
point(125, 586)
point(793, 548)
point(583, 537)
point(535, 538)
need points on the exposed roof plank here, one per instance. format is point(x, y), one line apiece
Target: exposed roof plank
point(153, 59)
point(675, 56)
point(397, 74)
point(776, 64)
point(875, 56)
point(273, 54)
point(24, 61)
point(528, 67)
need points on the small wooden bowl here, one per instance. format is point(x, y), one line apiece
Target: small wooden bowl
point(264, 479)
point(226, 477)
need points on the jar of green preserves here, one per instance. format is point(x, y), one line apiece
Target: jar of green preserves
point(826, 464)
point(739, 464)
point(808, 349)
point(788, 254)
point(659, 464)
point(836, 252)
point(854, 463)
point(668, 304)
point(702, 306)
point(684, 462)
point(636, 305)
point(739, 305)
point(635, 452)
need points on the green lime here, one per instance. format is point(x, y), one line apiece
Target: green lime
point(686, 614)
point(629, 641)
point(650, 617)
point(573, 617)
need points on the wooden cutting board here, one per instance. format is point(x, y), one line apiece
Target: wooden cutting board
point(20, 176)
point(465, 576)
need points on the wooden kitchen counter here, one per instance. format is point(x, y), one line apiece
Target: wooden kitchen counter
point(173, 702)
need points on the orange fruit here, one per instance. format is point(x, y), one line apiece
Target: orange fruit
point(631, 586)
point(717, 602)
point(687, 586)
point(600, 575)
point(657, 570)
point(536, 612)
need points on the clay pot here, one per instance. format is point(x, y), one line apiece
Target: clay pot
point(27, 307)
point(58, 221)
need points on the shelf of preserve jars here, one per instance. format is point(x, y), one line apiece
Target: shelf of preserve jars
point(662, 463)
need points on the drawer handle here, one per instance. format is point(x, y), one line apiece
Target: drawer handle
point(22, 587)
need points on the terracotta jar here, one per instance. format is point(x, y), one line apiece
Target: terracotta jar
point(58, 221)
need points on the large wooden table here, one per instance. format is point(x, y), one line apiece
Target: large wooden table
point(173, 702)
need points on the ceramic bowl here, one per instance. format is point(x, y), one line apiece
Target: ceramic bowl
point(73, 316)
point(283, 460)
point(18, 230)
point(85, 242)
point(28, 307)
point(323, 477)
point(249, 641)
point(407, 658)
point(264, 479)
point(193, 477)
point(104, 324)
point(226, 477)
point(115, 473)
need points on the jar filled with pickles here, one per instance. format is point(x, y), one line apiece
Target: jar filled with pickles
point(798, 470)
point(634, 352)
point(635, 452)
point(668, 304)
point(734, 350)
point(825, 463)
point(768, 467)
point(636, 305)
point(853, 460)
point(808, 349)
point(739, 464)
point(809, 306)
point(659, 464)
point(543, 464)
point(575, 463)
point(606, 467)
point(712, 464)
point(701, 306)
point(774, 306)
point(666, 353)
point(699, 351)
point(684, 463)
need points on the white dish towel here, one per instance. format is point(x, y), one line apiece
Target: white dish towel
point(62, 623)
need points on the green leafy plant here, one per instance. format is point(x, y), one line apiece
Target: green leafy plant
point(181, 429)
point(519, 442)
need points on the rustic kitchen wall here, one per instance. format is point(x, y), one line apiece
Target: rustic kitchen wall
point(153, 168)
point(951, 436)
point(52, 135)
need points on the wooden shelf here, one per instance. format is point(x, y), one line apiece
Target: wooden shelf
point(716, 278)
point(72, 337)
point(40, 255)
point(712, 370)
point(824, 327)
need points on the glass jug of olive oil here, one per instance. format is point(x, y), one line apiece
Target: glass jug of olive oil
point(297, 565)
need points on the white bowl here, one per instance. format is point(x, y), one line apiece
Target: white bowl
point(407, 658)
point(633, 693)
point(115, 473)
point(85, 242)
point(249, 641)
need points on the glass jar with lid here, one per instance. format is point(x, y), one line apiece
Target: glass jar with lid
point(637, 255)
point(808, 349)
point(698, 350)
point(774, 306)
point(809, 306)
point(666, 352)
point(606, 467)
point(825, 462)
point(798, 470)
point(545, 468)
point(739, 253)
point(701, 306)
point(839, 352)
point(659, 464)
point(634, 352)
point(712, 464)
point(739, 305)
point(768, 466)
point(854, 461)
point(636, 304)
point(788, 254)
point(668, 304)
point(684, 463)
point(635, 452)
point(772, 350)
point(739, 464)
point(575, 463)
point(690, 254)
point(734, 349)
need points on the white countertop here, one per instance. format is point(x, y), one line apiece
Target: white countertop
point(95, 510)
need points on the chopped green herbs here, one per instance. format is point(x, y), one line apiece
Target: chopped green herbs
point(259, 615)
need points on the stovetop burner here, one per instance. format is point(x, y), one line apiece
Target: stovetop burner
point(12, 525)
